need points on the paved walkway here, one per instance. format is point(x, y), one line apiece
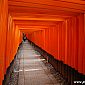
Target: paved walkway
point(32, 68)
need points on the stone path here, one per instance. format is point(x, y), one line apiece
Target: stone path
point(32, 69)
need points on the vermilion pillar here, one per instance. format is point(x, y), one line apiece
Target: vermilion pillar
point(3, 32)
point(81, 43)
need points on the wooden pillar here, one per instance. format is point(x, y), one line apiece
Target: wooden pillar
point(81, 42)
point(84, 49)
point(3, 31)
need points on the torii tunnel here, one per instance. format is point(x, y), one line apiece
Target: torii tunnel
point(54, 28)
